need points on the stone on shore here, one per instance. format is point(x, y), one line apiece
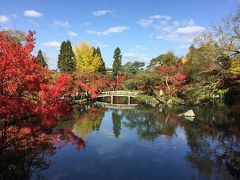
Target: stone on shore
point(189, 113)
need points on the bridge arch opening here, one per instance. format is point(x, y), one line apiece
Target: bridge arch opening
point(117, 97)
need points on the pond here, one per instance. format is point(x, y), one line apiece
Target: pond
point(146, 143)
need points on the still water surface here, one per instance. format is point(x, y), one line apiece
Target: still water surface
point(150, 143)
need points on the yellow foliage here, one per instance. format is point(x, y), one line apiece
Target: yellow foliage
point(86, 58)
point(184, 60)
point(235, 67)
point(85, 127)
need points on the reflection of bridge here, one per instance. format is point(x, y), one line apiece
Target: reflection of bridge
point(113, 94)
point(116, 106)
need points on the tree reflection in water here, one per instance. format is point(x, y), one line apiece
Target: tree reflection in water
point(213, 137)
point(151, 123)
point(87, 122)
point(20, 163)
point(27, 145)
point(214, 140)
point(116, 119)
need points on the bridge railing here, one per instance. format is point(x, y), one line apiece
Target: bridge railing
point(119, 93)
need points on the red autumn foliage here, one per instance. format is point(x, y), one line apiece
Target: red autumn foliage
point(31, 100)
point(172, 78)
point(118, 82)
point(90, 84)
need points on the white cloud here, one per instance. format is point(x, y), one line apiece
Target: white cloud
point(160, 17)
point(32, 13)
point(132, 56)
point(136, 54)
point(72, 34)
point(52, 44)
point(177, 31)
point(101, 12)
point(63, 24)
point(175, 37)
point(155, 17)
point(52, 60)
point(168, 29)
point(154, 20)
point(145, 22)
point(4, 19)
point(176, 23)
point(189, 30)
point(116, 29)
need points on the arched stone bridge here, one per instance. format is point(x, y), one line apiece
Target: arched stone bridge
point(113, 94)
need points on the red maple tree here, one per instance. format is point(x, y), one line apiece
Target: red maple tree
point(31, 100)
point(172, 78)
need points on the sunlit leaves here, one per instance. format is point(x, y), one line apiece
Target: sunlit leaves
point(86, 58)
point(32, 100)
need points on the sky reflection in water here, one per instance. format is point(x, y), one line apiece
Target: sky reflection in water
point(146, 143)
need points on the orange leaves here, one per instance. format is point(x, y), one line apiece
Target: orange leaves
point(25, 131)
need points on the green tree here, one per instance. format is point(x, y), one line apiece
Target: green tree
point(41, 59)
point(224, 40)
point(66, 57)
point(157, 61)
point(203, 73)
point(170, 58)
point(117, 62)
point(164, 59)
point(102, 68)
point(133, 67)
point(143, 80)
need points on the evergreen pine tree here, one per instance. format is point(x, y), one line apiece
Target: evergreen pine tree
point(117, 62)
point(61, 57)
point(41, 59)
point(102, 68)
point(66, 57)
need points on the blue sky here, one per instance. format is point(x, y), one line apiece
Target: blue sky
point(141, 28)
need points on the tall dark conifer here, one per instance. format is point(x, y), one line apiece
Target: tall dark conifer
point(102, 68)
point(41, 59)
point(117, 62)
point(66, 57)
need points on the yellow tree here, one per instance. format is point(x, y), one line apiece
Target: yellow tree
point(235, 66)
point(86, 58)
